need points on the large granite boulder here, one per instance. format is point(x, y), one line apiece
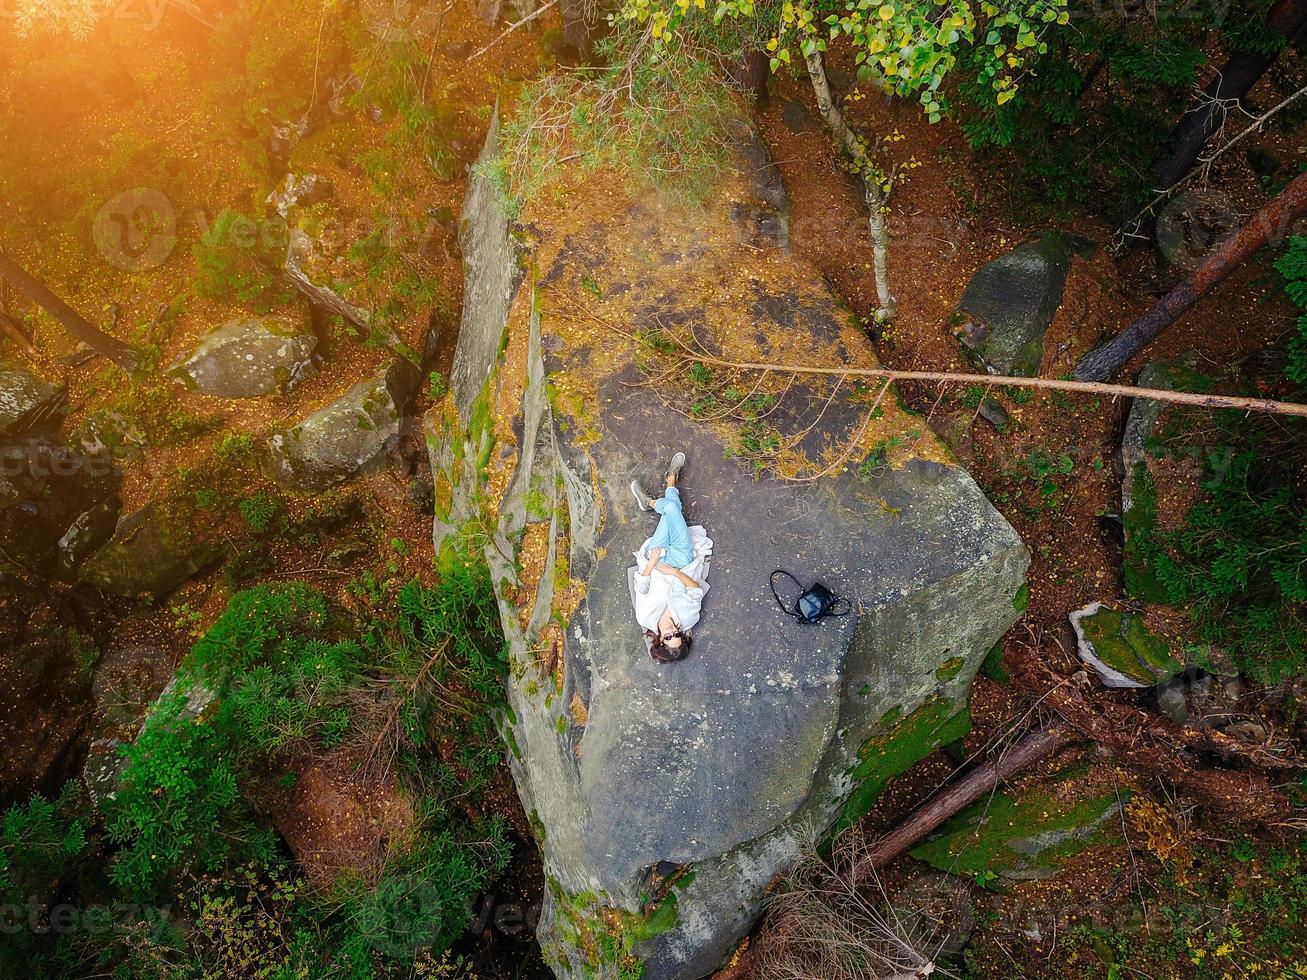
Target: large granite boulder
point(26, 400)
point(153, 550)
point(666, 798)
point(337, 441)
point(1010, 302)
point(249, 358)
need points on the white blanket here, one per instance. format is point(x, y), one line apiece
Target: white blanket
point(651, 594)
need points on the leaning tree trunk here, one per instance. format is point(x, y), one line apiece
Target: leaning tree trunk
point(78, 327)
point(1231, 85)
point(1270, 222)
point(985, 778)
point(857, 153)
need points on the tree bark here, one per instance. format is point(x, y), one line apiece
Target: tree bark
point(1158, 747)
point(1270, 222)
point(1232, 84)
point(983, 779)
point(854, 149)
point(78, 327)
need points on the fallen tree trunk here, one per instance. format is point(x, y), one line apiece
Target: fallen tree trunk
point(1157, 746)
point(691, 355)
point(985, 778)
point(1270, 222)
point(1233, 81)
point(78, 327)
point(1142, 741)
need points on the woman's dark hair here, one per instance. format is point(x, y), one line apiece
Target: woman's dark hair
point(664, 654)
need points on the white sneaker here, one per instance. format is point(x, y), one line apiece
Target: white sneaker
point(641, 498)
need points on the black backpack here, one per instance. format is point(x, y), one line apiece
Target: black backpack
point(813, 605)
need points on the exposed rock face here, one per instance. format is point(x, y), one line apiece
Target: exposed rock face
point(249, 358)
point(337, 441)
point(25, 400)
point(151, 553)
point(1010, 302)
point(666, 797)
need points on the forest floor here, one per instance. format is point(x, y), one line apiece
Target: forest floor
point(948, 216)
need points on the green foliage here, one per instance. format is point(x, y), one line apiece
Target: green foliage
point(261, 511)
point(1037, 483)
point(1241, 561)
point(238, 259)
point(908, 49)
point(179, 804)
point(665, 122)
point(1240, 912)
point(1292, 265)
point(284, 671)
point(37, 843)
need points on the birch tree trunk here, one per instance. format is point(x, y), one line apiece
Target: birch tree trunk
point(857, 153)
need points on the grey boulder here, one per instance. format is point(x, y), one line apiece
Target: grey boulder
point(152, 551)
point(1010, 302)
point(249, 358)
point(667, 798)
point(337, 441)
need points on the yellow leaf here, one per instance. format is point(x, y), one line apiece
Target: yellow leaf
point(886, 11)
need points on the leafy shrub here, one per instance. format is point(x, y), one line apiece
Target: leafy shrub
point(260, 511)
point(603, 119)
point(238, 259)
point(1241, 560)
point(179, 803)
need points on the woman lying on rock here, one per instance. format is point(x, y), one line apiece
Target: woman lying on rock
point(670, 575)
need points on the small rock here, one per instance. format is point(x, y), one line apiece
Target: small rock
point(456, 50)
point(994, 413)
point(150, 553)
point(1193, 223)
point(796, 117)
point(1264, 164)
point(249, 358)
point(303, 190)
point(91, 530)
point(1171, 700)
point(1121, 649)
point(302, 254)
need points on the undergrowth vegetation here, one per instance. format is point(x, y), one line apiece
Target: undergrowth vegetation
point(1238, 560)
point(403, 704)
point(664, 123)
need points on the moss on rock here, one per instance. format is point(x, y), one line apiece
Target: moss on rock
point(1008, 837)
point(1121, 648)
point(894, 751)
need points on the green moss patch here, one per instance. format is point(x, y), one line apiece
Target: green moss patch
point(602, 938)
point(1124, 643)
point(1141, 544)
point(949, 669)
point(897, 749)
point(1006, 838)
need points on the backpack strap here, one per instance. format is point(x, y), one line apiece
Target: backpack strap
point(794, 613)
